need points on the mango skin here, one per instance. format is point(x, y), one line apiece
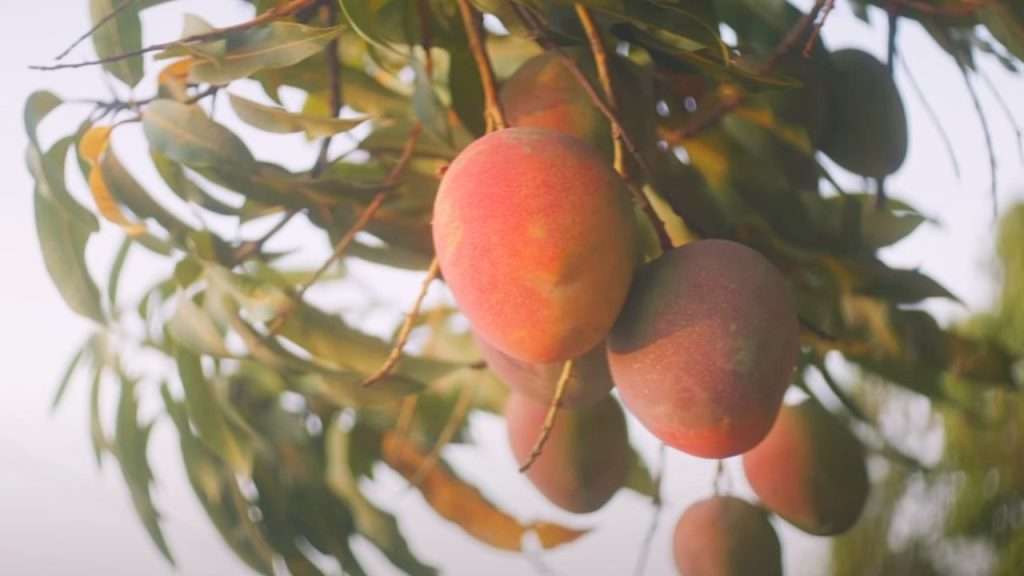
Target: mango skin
point(586, 457)
point(544, 93)
point(591, 380)
point(867, 131)
point(705, 347)
point(726, 536)
point(810, 470)
point(535, 237)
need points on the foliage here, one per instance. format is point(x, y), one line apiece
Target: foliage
point(975, 492)
point(267, 391)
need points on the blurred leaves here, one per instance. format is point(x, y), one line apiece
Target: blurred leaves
point(277, 434)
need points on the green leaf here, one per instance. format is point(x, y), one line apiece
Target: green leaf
point(195, 330)
point(114, 279)
point(639, 478)
point(362, 16)
point(127, 190)
point(96, 434)
point(63, 241)
point(1006, 25)
point(467, 91)
point(377, 526)
point(328, 338)
point(215, 487)
point(37, 106)
point(904, 286)
point(48, 172)
point(426, 105)
point(119, 36)
point(130, 441)
point(281, 121)
point(185, 134)
point(83, 354)
point(204, 410)
point(246, 52)
point(184, 187)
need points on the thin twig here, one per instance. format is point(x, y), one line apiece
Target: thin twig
point(99, 24)
point(988, 139)
point(890, 68)
point(451, 427)
point(403, 334)
point(549, 418)
point(934, 117)
point(652, 528)
point(843, 397)
point(1006, 110)
point(334, 73)
point(426, 36)
point(733, 98)
point(716, 482)
point(597, 48)
point(494, 115)
point(816, 30)
point(281, 11)
point(247, 249)
point(368, 213)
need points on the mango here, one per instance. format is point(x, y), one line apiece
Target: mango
point(590, 382)
point(535, 237)
point(586, 457)
point(726, 536)
point(705, 347)
point(810, 470)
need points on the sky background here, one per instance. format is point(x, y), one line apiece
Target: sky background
point(60, 515)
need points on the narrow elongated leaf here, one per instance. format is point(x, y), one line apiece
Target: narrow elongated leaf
point(464, 505)
point(204, 410)
point(131, 440)
point(186, 188)
point(362, 17)
point(82, 355)
point(214, 486)
point(195, 330)
point(93, 145)
point(114, 279)
point(185, 134)
point(246, 52)
point(121, 35)
point(48, 172)
point(37, 107)
point(63, 243)
point(377, 526)
point(127, 190)
point(96, 434)
point(281, 121)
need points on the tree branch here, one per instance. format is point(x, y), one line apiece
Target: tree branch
point(280, 11)
point(652, 528)
point(407, 325)
point(360, 223)
point(493, 113)
point(549, 418)
point(102, 21)
point(604, 75)
point(334, 73)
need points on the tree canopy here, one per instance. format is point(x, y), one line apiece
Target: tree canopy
point(727, 119)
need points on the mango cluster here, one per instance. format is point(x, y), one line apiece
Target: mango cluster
point(536, 237)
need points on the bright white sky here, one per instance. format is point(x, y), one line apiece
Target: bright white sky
point(59, 515)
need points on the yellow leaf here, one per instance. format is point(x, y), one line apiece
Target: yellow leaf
point(92, 146)
point(464, 505)
point(174, 78)
point(94, 143)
